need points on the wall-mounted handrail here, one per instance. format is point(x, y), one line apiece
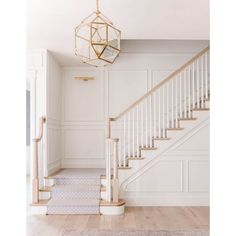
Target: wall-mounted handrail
point(35, 172)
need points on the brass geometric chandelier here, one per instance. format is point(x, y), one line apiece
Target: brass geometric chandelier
point(97, 41)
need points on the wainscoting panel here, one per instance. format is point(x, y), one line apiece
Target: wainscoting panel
point(53, 144)
point(159, 75)
point(121, 92)
point(84, 144)
point(153, 181)
point(198, 176)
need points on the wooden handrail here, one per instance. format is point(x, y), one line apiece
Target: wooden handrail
point(159, 85)
point(42, 120)
point(35, 175)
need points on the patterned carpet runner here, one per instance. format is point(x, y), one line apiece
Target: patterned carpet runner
point(76, 191)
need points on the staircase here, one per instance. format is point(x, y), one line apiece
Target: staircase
point(136, 139)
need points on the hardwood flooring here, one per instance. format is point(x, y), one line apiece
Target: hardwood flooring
point(161, 218)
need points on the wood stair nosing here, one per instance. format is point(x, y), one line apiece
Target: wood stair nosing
point(148, 148)
point(160, 139)
point(46, 189)
point(174, 129)
point(200, 109)
point(184, 119)
point(124, 167)
point(43, 202)
point(134, 158)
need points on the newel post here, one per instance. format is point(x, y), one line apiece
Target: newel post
point(115, 182)
point(35, 180)
point(35, 170)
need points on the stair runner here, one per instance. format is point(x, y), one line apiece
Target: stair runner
point(76, 191)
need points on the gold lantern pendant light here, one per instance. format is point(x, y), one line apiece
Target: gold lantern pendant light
point(97, 41)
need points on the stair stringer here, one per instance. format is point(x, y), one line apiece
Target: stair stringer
point(128, 176)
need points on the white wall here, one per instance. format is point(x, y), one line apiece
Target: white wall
point(53, 114)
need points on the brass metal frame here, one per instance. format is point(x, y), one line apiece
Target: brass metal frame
point(97, 18)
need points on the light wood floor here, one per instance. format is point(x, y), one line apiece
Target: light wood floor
point(161, 218)
point(165, 218)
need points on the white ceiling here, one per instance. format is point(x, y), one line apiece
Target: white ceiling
point(50, 23)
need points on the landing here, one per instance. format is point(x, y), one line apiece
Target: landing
point(72, 173)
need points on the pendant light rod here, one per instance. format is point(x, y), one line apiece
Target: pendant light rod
point(97, 7)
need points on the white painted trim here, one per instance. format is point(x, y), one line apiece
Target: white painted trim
point(151, 199)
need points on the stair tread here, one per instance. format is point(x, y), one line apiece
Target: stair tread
point(135, 158)
point(174, 128)
point(124, 167)
point(148, 148)
point(43, 202)
point(46, 189)
point(77, 173)
point(161, 139)
point(200, 109)
point(183, 119)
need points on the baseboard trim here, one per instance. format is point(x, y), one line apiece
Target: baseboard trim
point(166, 200)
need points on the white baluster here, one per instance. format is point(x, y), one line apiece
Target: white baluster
point(202, 82)
point(146, 120)
point(167, 106)
point(193, 85)
point(172, 103)
point(189, 92)
point(108, 173)
point(128, 136)
point(133, 133)
point(138, 133)
point(159, 112)
point(155, 115)
point(124, 143)
point(121, 129)
point(176, 101)
point(206, 77)
point(150, 120)
point(180, 96)
point(163, 111)
point(142, 124)
point(197, 83)
point(185, 94)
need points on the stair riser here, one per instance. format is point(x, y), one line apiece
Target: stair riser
point(44, 195)
point(77, 181)
point(68, 195)
point(49, 182)
point(72, 210)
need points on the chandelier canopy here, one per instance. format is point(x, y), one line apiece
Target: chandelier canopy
point(97, 41)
